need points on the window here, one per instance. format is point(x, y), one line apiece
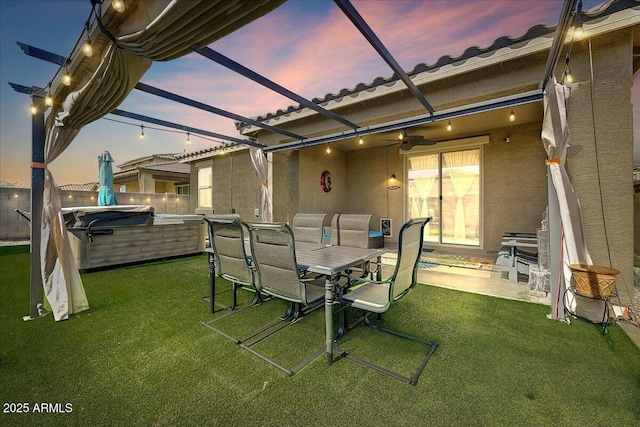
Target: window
point(446, 186)
point(183, 189)
point(205, 180)
point(123, 188)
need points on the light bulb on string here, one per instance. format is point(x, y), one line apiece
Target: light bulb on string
point(32, 108)
point(512, 116)
point(87, 49)
point(360, 141)
point(449, 126)
point(118, 5)
point(401, 135)
point(48, 99)
point(66, 77)
point(188, 139)
point(567, 76)
point(141, 132)
point(328, 149)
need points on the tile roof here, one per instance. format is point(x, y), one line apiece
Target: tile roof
point(168, 156)
point(606, 8)
point(89, 186)
point(209, 152)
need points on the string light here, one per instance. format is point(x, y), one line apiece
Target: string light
point(361, 141)
point(578, 31)
point(66, 77)
point(48, 99)
point(401, 135)
point(32, 108)
point(188, 139)
point(449, 126)
point(512, 116)
point(118, 5)
point(567, 76)
point(87, 49)
point(328, 148)
point(141, 132)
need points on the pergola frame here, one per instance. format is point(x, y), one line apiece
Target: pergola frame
point(38, 128)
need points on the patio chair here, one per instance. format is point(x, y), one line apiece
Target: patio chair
point(378, 296)
point(350, 230)
point(308, 227)
point(278, 274)
point(353, 230)
point(230, 257)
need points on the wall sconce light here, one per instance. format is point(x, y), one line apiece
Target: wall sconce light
point(392, 178)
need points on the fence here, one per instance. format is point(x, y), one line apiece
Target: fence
point(14, 227)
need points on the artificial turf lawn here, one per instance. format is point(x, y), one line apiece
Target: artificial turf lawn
point(140, 356)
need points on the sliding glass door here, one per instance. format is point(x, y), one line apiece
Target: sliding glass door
point(446, 186)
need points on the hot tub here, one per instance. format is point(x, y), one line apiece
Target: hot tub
point(109, 236)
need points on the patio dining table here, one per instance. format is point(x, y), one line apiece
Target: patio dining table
point(330, 261)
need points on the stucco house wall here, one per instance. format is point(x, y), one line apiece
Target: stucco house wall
point(599, 159)
point(235, 186)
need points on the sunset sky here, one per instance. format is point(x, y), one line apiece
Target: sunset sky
point(307, 46)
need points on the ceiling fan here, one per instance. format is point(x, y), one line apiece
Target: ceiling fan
point(407, 142)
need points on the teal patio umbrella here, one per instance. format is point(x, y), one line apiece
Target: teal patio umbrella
point(106, 195)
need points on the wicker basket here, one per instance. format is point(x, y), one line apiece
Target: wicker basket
point(593, 281)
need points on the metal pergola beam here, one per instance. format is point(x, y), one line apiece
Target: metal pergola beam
point(189, 129)
point(480, 107)
point(43, 54)
point(252, 75)
point(371, 37)
point(37, 91)
point(191, 103)
point(61, 60)
point(564, 23)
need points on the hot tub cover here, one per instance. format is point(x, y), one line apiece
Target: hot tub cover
point(83, 216)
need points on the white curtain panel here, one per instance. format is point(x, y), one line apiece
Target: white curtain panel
point(114, 78)
point(261, 167)
point(156, 30)
point(424, 185)
point(555, 138)
point(461, 181)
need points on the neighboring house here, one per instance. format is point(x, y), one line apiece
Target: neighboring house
point(224, 180)
point(89, 186)
point(485, 176)
point(157, 173)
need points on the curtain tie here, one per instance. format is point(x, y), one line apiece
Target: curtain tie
point(265, 184)
point(555, 161)
point(38, 165)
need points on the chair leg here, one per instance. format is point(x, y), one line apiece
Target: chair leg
point(235, 296)
point(344, 326)
point(413, 380)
